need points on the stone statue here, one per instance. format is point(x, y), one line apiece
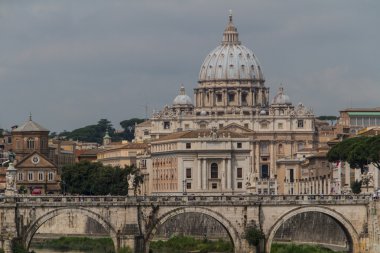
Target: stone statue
point(11, 158)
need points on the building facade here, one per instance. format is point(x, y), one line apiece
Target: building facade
point(231, 96)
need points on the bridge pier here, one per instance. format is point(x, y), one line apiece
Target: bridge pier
point(124, 241)
point(7, 246)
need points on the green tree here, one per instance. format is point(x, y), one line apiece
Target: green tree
point(356, 186)
point(91, 133)
point(355, 151)
point(254, 236)
point(373, 144)
point(88, 178)
point(129, 128)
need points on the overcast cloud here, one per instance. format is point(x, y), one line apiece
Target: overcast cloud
point(73, 62)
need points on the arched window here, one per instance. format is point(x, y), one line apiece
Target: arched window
point(30, 143)
point(214, 170)
point(280, 149)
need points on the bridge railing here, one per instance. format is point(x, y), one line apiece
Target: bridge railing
point(193, 199)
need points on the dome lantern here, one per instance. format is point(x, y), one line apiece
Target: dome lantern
point(182, 98)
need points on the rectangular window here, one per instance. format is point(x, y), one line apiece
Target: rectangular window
point(214, 186)
point(40, 176)
point(166, 125)
point(231, 97)
point(264, 171)
point(239, 185)
point(146, 132)
point(20, 176)
point(280, 126)
point(239, 145)
point(300, 123)
point(219, 97)
point(246, 125)
point(187, 126)
point(264, 148)
point(188, 172)
point(30, 176)
point(188, 145)
point(239, 172)
point(188, 185)
point(220, 125)
point(50, 176)
point(366, 121)
point(372, 121)
point(291, 175)
point(244, 98)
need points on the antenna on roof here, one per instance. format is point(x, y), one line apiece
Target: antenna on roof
point(30, 116)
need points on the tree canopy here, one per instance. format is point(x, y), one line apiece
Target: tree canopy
point(88, 178)
point(359, 152)
point(95, 133)
point(129, 128)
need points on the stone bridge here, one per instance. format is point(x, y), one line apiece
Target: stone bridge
point(133, 221)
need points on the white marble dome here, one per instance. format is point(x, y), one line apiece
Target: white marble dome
point(281, 98)
point(231, 60)
point(182, 98)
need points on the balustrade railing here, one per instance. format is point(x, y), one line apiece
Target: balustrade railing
point(199, 199)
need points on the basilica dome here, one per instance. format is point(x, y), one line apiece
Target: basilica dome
point(182, 98)
point(231, 60)
point(281, 98)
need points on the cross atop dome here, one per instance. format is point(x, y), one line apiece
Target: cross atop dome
point(230, 35)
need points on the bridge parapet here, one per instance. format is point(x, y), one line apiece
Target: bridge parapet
point(193, 199)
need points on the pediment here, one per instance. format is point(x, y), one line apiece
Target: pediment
point(35, 159)
point(236, 128)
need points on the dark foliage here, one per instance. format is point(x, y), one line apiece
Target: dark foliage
point(88, 178)
point(95, 133)
point(359, 152)
point(254, 235)
point(356, 187)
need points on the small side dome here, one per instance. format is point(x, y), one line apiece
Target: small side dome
point(182, 98)
point(281, 98)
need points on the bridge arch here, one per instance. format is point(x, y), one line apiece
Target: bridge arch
point(35, 225)
point(226, 224)
point(349, 230)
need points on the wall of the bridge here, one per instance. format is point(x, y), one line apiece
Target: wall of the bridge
point(232, 218)
point(120, 223)
point(352, 219)
point(125, 219)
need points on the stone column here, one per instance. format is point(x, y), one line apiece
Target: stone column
point(204, 175)
point(224, 176)
point(229, 174)
point(328, 185)
point(199, 179)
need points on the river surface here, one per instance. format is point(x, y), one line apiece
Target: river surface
point(54, 251)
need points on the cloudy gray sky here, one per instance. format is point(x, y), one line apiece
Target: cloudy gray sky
point(73, 62)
